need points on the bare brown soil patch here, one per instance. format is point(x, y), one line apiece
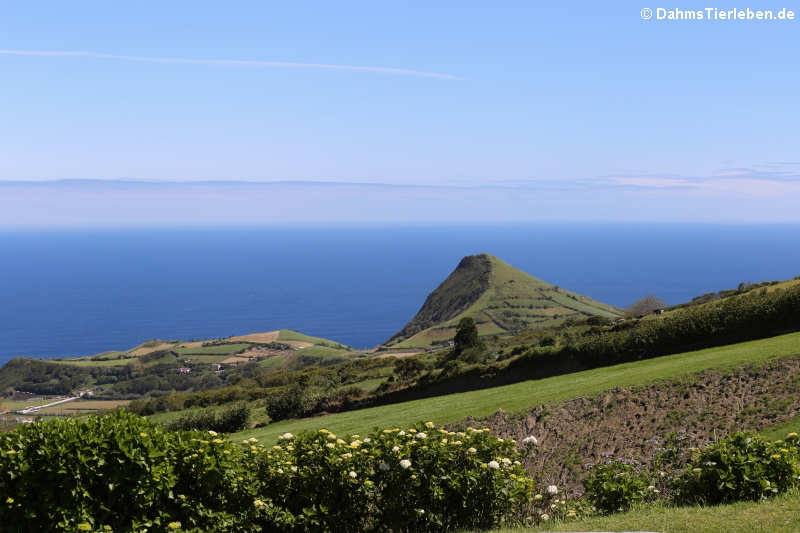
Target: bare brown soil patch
point(259, 352)
point(142, 350)
point(235, 359)
point(298, 345)
point(193, 344)
point(623, 422)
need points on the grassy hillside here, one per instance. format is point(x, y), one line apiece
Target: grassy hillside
point(777, 515)
point(522, 396)
point(779, 431)
point(499, 297)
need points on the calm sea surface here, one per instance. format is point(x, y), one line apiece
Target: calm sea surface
point(65, 293)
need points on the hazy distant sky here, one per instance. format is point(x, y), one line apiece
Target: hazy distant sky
point(577, 111)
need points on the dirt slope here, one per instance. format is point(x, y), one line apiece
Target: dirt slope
point(624, 422)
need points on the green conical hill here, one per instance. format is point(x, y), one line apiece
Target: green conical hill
point(502, 299)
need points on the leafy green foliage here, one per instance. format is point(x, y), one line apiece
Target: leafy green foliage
point(741, 467)
point(123, 473)
point(418, 479)
point(229, 420)
point(466, 335)
point(407, 368)
point(253, 382)
point(117, 471)
point(299, 400)
point(616, 485)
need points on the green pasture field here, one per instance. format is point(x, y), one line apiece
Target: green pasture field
point(15, 406)
point(323, 351)
point(273, 362)
point(520, 397)
point(368, 385)
point(207, 359)
point(83, 407)
point(780, 514)
point(217, 349)
point(292, 335)
point(779, 431)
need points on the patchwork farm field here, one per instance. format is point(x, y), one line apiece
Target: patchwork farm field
point(523, 396)
point(83, 407)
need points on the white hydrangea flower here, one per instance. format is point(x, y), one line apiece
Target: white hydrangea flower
point(552, 490)
point(395, 449)
point(533, 441)
point(405, 463)
point(352, 474)
point(494, 465)
point(421, 435)
point(287, 436)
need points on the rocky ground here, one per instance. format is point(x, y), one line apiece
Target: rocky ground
point(633, 422)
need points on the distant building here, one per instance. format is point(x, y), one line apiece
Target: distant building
point(216, 366)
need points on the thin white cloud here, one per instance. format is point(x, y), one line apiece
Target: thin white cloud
point(232, 63)
point(653, 182)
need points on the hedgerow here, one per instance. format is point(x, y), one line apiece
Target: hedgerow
point(233, 418)
point(120, 472)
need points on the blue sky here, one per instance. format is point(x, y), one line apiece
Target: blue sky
point(575, 111)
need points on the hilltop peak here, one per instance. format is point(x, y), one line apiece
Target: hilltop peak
point(500, 298)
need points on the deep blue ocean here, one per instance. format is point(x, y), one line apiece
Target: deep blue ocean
point(77, 292)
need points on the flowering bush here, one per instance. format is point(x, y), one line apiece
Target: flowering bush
point(616, 485)
point(121, 472)
point(417, 479)
point(741, 467)
point(118, 472)
point(552, 504)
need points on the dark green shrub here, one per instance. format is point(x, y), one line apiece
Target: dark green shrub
point(124, 473)
point(467, 338)
point(118, 471)
point(616, 485)
point(742, 467)
point(287, 403)
point(228, 420)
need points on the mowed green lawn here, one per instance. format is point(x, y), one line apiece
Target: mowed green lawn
point(779, 431)
point(777, 515)
point(525, 395)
